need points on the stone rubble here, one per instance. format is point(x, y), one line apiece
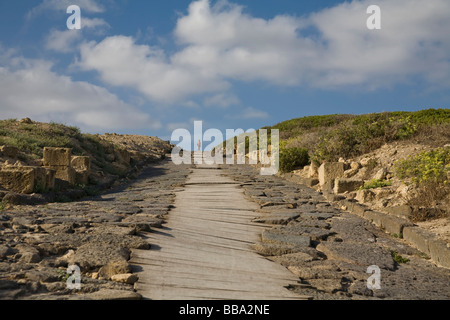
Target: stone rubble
point(98, 234)
point(330, 249)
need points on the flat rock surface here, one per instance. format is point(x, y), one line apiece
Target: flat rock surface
point(342, 247)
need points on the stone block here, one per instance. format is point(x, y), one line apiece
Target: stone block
point(381, 174)
point(18, 179)
point(313, 171)
point(391, 224)
point(113, 268)
point(342, 185)
point(400, 211)
point(439, 252)
point(427, 242)
point(26, 179)
point(128, 278)
point(395, 225)
point(82, 177)
point(8, 151)
point(64, 174)
point(375, 217)
point(419, 238)
point(67, 174)
point(328, 172)
point(310, 182)
point(355, 165)
point(357, 208)
point(44, 179)
point(81, 163)
point(364, 196)
point(350, 173)
point(57, 157)
point(50, 178)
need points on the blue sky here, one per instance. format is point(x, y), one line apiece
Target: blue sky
point(150, 67)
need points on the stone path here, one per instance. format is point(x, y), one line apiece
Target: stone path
point(215, 234)
point(204, 251)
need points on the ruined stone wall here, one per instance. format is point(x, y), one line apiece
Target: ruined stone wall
point(60, 170)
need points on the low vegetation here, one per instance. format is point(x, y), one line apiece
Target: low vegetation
point(427, 167)
point(331, 137)
point(327, 138)
point(376, 183)
point(398, 258)
point(430, 174)
point(31, 137)
point(293, 158)
point(3, 205)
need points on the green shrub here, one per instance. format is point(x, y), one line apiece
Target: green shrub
point(3, 205)
point(426, 167)
point(376, 183)
point(293, 158)
point(353, 135)
point(429, 171)
point(398, 258)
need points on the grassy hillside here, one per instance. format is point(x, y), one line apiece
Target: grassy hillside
point(31, 137)
point(327, 138)
point(426, 174)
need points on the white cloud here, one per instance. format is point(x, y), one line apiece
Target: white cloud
point(94, 23)
point(62, 41)
point(329, 49)
point(252, 113)
point(178, 125)
point(28, 88)
point(413, 41)
point(68, 40)
point(222, 100)
point(121, 62)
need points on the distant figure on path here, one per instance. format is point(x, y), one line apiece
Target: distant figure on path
point(199, 144)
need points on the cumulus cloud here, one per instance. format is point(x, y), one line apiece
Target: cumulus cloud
point(29, 88)
point(222, 100)
point(122, 62)
point(330, 49)
point(63, 41)
point(68, 40)
point(413, 41)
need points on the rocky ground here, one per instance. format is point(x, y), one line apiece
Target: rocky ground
point(330, 249)
point(38, 243)
point(327, 248)
point(395, 199)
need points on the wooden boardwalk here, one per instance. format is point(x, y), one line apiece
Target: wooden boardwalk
point(204, 250)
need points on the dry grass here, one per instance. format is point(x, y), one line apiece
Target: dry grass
point(432, 201)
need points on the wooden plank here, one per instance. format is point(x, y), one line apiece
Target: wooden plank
point(204, 251)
